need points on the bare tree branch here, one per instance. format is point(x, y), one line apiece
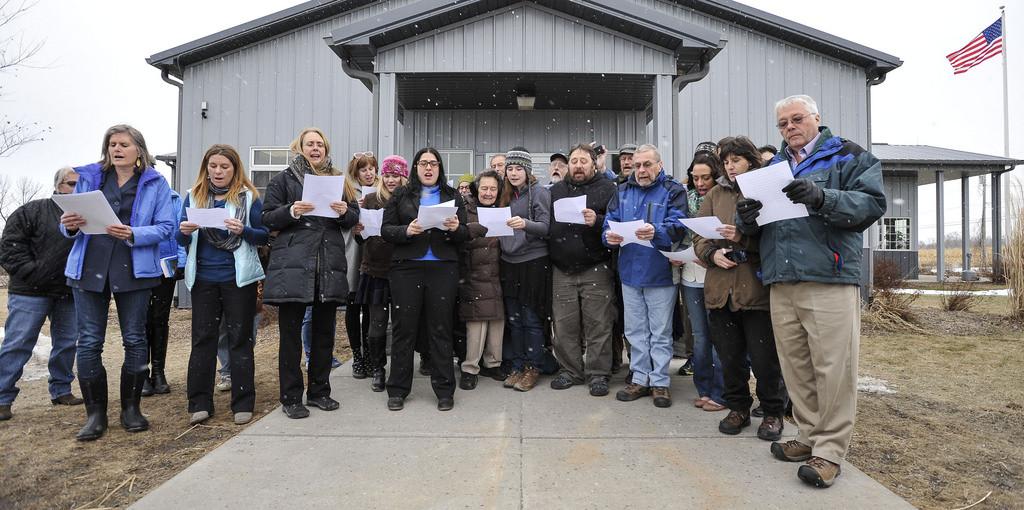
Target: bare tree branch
point(16, 53)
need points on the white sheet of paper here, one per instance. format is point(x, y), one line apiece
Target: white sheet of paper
point(372, 219)
point(765, 184)
point(704, 226)
point(627, 229)
point(321, 190)
point(495, 219)
point(432, 216)
point(210, 218)
point(687, 255)
point(91, 206)
point(570, 210)
point(366, 190)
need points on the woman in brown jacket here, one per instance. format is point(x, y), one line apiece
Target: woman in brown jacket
point(737, 303)
point(480, 301)
point(373, 291)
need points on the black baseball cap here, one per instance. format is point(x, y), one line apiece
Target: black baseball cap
point(559, 155)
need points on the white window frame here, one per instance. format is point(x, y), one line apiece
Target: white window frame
point(453, 177)
point(253, 167)
point(887, 227)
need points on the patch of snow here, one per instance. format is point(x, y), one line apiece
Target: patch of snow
point(36, 368)
point(924, 292)
point(873, 385)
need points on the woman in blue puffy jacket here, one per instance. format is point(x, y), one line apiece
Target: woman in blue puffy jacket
point(123, 262)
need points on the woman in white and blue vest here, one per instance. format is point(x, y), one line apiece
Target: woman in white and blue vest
point(222, 271)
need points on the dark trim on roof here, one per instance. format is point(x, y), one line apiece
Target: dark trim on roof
point(174, 60)
point(876, 63)
point(942, 157)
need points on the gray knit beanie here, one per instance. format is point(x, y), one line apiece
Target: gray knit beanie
point(521, 158)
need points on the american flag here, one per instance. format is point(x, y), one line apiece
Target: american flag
point(988, 44)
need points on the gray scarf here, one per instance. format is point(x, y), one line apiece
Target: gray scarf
point(300, 167)
point(224, 239)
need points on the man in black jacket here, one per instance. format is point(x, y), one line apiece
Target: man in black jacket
point(582, 279)
point(34, 252)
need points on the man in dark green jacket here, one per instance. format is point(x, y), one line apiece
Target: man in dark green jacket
point(812, 267)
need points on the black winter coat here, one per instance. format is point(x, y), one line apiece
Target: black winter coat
point(404, 207)
point(308, 253)
point(479, 274)
point(33, 250)
point(573, 247)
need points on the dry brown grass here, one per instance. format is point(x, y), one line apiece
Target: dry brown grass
point(1013, 258)
point(954, 259)
point(962, 298)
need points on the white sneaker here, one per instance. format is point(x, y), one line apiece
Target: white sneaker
point(224, 384)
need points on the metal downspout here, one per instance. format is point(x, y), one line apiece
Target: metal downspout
point(374, 88)
point(175, 175)
point(868, 272)
point(677, 86)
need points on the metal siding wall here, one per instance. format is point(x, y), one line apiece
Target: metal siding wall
point(486, 131)
point(265, 93)
point(527, 36)
point(751, 74)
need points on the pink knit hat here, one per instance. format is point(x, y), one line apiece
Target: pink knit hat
point(395, 165)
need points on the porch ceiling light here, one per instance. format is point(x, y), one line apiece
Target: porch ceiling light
point(526, 96)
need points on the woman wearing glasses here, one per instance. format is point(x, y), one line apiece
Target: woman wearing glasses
point(424, 278)
point(737, 303)
point(307, 268)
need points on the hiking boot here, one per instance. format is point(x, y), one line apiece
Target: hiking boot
point(296, 411)
point(734, 423)
point(5, 412)
point(819, 472)
point(224, 384)
point(323, 403)
point(513, 378)
point(662, 398)
point(528, 379)
point(396, 403)
point(494, 373)
point(562, 382)
point(770, 428)
point(599, 386)
point(66, 400)
point(632, 392)
point(468, 381)
point(791, 451)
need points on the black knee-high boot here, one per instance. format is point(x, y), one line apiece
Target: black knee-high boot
point(94, 393)
point(131, 396)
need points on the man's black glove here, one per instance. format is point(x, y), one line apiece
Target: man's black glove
point(803, 191)
point(749, 209)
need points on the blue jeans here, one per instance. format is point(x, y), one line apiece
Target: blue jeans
point(25, 317)
point(648, 314)
point(707, 369)
point(92, 310)
point(525, 338)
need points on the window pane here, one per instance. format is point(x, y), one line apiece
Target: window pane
point(261, 178)
point(261, 157)
point(279, 157)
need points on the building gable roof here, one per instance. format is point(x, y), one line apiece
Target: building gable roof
point(875, 62)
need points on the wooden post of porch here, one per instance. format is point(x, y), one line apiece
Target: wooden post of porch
point(940, 228)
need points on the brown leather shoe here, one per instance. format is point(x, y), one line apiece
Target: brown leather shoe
point(528, 380)
point(632, 392)
point(66, 400)
point(662, 397)
point(734, 423)
point(791, 451)
point(819, 472)
point(512, 379)
point(770, 428)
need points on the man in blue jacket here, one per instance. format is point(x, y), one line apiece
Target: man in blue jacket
point(812, 267)
point(648, 295)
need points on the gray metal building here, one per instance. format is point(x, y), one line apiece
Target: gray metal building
point(395, 75)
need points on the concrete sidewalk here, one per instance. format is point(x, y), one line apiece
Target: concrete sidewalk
point(503, 449)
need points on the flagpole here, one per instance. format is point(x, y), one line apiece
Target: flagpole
point(1006, 89)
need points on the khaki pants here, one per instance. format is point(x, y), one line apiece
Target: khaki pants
point(817, 334)
point(583, 311)
point(483, 345)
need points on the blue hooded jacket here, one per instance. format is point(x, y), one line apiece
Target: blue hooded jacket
point(152, 222)
point(661, 204)
point(170, 247)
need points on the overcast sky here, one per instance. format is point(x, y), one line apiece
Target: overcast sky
point(91, 74)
